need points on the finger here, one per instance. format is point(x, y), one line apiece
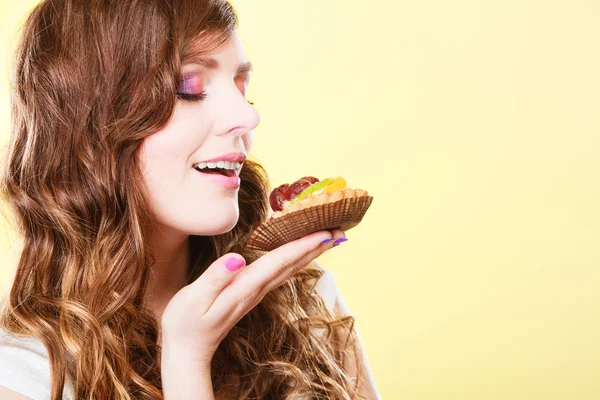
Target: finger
point(286, 257)
point(340, 237)
point(337, 234)
point(288, 254)
point(248, 288)
point(207, 287)
point(304, 261)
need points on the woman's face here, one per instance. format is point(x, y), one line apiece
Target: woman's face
point(215, 120)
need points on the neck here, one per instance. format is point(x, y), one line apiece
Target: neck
point(170, 270)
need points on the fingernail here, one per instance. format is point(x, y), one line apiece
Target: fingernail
point(339, 241)
point(327, 240)
point(234, 263)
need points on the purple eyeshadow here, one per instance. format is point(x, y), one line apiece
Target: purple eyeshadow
point(190, 84)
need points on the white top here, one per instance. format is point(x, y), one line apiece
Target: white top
point(25, 368)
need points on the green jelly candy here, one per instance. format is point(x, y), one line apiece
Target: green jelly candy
point(311, 189)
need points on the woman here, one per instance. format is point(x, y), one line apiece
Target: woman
point(134, 281)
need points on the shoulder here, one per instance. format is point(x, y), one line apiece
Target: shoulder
point(326, 287)
point(25, 366)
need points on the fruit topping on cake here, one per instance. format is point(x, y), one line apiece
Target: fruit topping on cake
point(309, 191)
point(309, 205)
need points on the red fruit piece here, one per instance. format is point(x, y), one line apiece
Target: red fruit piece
point(298, 187)
point(312, 179)
point(277, 196)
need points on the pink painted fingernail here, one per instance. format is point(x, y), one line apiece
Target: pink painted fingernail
point(234, 263)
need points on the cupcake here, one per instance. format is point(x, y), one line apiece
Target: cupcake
point(309, 205)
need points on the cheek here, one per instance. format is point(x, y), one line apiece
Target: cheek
point(145, 156)
point(169, 149)
point(152, 155)
point(165, 143)
point(248, 139)
point(162, 165)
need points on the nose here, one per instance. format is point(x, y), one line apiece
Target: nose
point(238, 116)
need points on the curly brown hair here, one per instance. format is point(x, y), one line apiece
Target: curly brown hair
point(92, 79)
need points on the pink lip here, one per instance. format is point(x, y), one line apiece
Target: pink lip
point(230, 182)
point(233, 157)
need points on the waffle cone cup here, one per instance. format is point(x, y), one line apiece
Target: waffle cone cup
point(342, 214)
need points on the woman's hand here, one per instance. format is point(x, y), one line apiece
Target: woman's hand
point(202, 313)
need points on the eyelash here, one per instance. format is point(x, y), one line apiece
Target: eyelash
point(192, 97)
point(197, 97)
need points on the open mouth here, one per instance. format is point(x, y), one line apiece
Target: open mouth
point(216, 171)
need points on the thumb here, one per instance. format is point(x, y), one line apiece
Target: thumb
point(207, 287)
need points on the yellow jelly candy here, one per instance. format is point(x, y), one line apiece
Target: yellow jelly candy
point(338, 183)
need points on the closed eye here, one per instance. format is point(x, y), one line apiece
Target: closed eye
point(192, 96)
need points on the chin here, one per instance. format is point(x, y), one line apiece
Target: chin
point(215, 223)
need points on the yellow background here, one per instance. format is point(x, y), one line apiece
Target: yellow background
point(476, 127)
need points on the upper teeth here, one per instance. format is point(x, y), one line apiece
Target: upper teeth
point(219, 164)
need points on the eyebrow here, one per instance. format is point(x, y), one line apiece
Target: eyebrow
point(211, 63)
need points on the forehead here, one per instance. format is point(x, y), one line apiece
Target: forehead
point(230, 56)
